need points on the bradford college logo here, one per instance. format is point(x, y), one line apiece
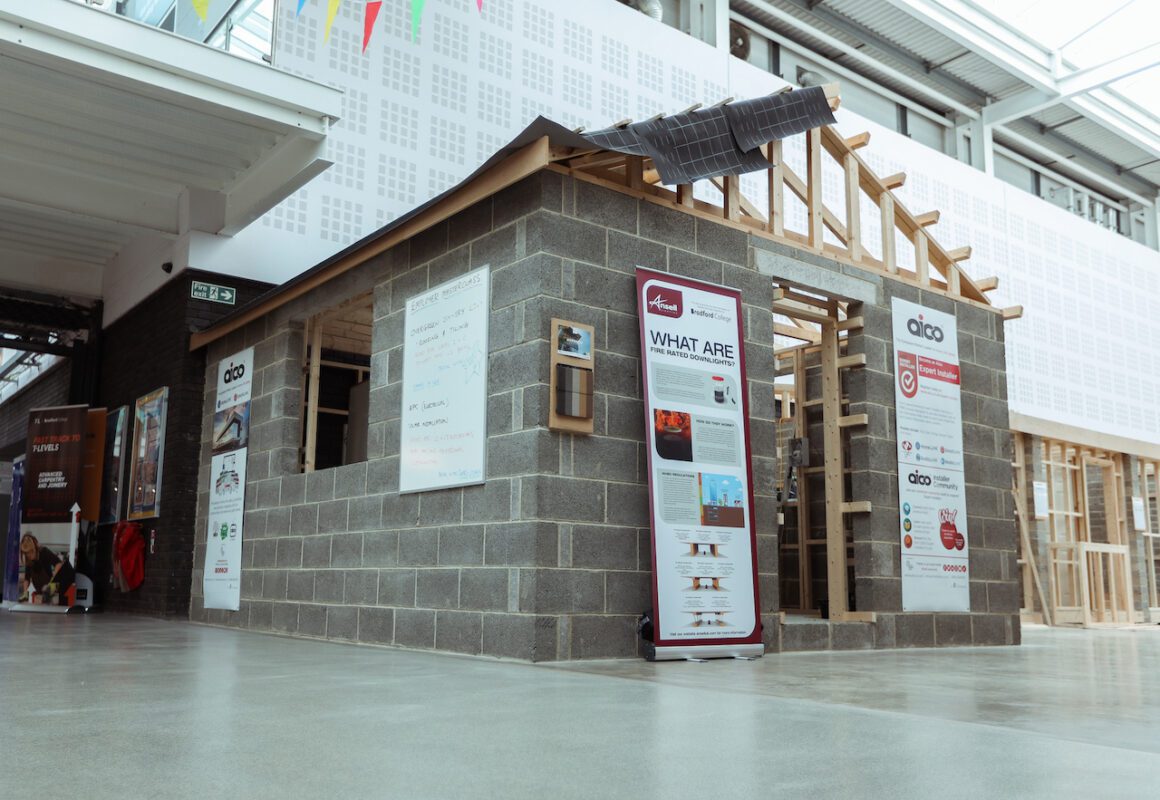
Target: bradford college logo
point(664, 301)
point(908, 374)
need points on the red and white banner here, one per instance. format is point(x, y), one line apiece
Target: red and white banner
point(932, 500)
point(705, 600)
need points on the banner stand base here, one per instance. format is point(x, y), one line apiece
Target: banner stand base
point(29, 608)
point(702, 652)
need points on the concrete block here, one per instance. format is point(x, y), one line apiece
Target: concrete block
point(265, 552)
point(1003, 597)
point(277, 523)
point(627, 592)
point(627, 252)
point(540, 273)
point(519, 636)
point(342, 623)
point(397, 587)
point(852, 636)
point(401, 511)
point(604, 547)
point(914, 630)
point(332, 516)
point(499, 409)
point(414, 627)
point(619, 375)
point(952, 629)
point(794, 267)
point(304, 520)
point(566, 237)
point(528, 452)
point(604, 457)
point(459, 632)
point(299, 584)
point(542, 190)
point(885, 635)
point(441, 508)
point(621, 334)
point(312, 620)
point(985, 565)
point(697, 267)
point(561, 591)
point(289, 552)
point(437, 588)
point(604, 637)
point(722, 242)
point(350, 480)
point(346, 550)
point(274, 584)
point(430, 243)
point(471, 223)
point(668, 226)
point(878, 594)
point(316, 551)
point(569, 499)
point(320, 485)
point(797, 636)
point(520, 544)
point(284, 617)
point(418, 547)
point(252, 584)
point(329, 586)
point(490, 502)
point(990, 629)
point(628, 504)
point(461, 545)
point(604, 288)
point(605, 207)
point(483, 589)
point(376, 625)
point(361, 588)
point(990, 353)
point(451, 264)
point(518, 366)
point(365, 513)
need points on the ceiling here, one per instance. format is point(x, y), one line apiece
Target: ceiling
point(115, 135)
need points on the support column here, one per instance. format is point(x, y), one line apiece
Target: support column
point(982, 147)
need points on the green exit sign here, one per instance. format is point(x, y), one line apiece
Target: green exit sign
point(200, 290)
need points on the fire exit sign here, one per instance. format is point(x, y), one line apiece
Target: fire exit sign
point(200, 290)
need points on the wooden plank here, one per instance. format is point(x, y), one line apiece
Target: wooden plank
point(832, 446)
point(794, 332)
point(833, 95)
point(685, 195)
point(922, 258)
point(797, 311)
point(858, 140)
point(731, 193)
point(1012, 312)
point(927, 219)
point(634, 171)
point(895, 181)
point(853, 420)
point(853, 208)
point(524, 162)
point(814, 188)
point(312, 394)
point(856, 360)
point(886, 205)
point(850, 324)
point(801, 430)
point(798, 187)
point(959, 253)
point(988, 284)
point(743, 203)
point(857, 507)
point(776, 190)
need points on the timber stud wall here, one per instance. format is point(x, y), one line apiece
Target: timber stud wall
point(551, 558)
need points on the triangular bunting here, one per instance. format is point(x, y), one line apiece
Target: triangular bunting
point(201, 7)
point(479, 5)
point(372, 13)
point(331, 13)
point(300, 4)
point(416, 18)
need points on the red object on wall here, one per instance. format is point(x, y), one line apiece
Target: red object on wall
point(128, 556)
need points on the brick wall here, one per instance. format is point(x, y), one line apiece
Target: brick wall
point(142, 351)
point(49, 389)
point(550, 558)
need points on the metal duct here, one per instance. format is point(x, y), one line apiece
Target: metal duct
point(651, 8)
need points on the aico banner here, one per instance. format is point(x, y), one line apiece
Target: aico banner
point(932, 499)
point(222, 581)
point(700, 484)
point(52, 471)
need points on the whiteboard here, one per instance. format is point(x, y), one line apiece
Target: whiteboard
point(443, 435)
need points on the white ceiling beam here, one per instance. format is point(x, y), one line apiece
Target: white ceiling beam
point(266, 184)
point(1077, 83)
point(141, 54)
point(1103, 109)
point(985, 36)
point(51, 275)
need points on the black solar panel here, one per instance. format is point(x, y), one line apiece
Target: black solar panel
point(778, 116)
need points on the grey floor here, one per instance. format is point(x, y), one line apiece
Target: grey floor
point(123, 707)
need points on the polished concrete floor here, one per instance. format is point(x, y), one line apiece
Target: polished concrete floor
point(115, 707)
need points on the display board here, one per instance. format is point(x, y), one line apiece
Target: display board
point(116, 429)
point(443, 437)
point(222, 578)
point(704, 550)
point(56, 454)
point(932, 499)
point(148, 454)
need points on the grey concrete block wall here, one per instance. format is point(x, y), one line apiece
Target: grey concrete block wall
point(550, 558)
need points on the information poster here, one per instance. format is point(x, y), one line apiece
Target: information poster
point(443, 438)
point(931, 488)
point(56, 456)
point(11, 588)
point(148, 454)
point(116, 427)
point(222, 580)
point(700, 483)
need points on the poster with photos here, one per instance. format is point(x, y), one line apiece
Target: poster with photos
point(147, 454)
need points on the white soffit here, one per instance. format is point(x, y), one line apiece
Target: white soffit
point(111, 131)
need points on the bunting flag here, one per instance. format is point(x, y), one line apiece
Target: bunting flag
point(201, 7)
point(331, 13)
point(479, 5)
point(371, 14)
point(416, 18)
point(300, 4)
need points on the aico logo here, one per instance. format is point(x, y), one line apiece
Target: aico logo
point(918, 478)
point(664, 301)
point(924, 330)
point(234, 372)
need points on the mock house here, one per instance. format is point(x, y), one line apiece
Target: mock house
point(547, 552)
